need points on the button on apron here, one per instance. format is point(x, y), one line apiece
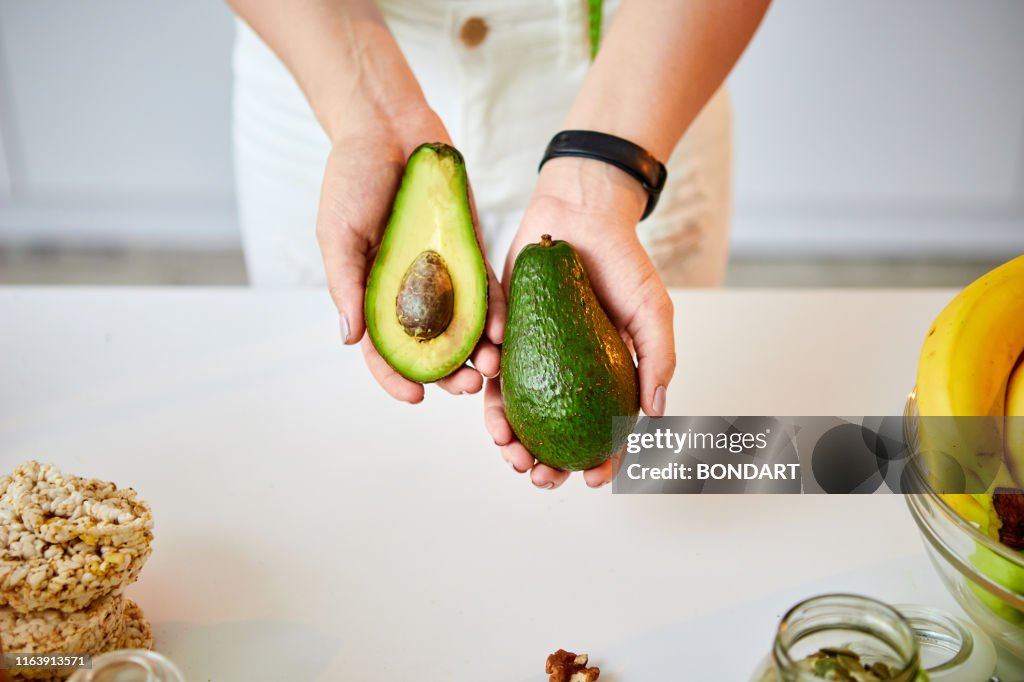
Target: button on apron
point(473, 31)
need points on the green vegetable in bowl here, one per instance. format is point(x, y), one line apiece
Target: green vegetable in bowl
point(1000, 571)
point(998, 516)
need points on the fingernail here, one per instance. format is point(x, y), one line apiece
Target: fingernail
point(463, 392)
point(547, 486)
point(343, 323)
point(659, 401)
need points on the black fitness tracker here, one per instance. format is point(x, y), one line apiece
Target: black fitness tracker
point(623, 154)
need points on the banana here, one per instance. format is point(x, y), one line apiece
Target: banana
point(978, 509)
point(1014, 436)
point(964, 370)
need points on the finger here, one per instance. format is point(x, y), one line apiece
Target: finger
point(599, 475)
point(628, 340)
point(494, 329)
point(391, 381)
point(544, 476)
point(487, 359)
point(518, 457)
point(475, 215)
point(494, 417)
point(496, 308)
point(344, 255)
point(506, 273)
point(462, 381)
point(651, 328)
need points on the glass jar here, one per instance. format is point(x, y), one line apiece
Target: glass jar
point(874, 632)
point(130, 665)
point(952, 649)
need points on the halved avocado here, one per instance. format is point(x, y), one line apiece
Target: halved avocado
point(426, 297)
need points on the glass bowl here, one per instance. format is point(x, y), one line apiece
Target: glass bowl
point(957, 548)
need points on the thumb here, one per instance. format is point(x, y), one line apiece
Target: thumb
point(345, 261)
point(654, 340)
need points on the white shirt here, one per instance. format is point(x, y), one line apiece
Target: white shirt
point(502, 87)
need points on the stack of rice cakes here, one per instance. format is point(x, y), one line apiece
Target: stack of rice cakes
point(68, 547)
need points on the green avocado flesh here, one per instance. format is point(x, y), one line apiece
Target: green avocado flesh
point(565, 371)
point(426, 297)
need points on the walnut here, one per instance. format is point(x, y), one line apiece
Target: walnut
point(565, 666)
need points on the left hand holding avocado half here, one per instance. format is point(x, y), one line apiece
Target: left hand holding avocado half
point(367, 173)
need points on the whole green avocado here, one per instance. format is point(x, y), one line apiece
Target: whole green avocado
point(565, 371)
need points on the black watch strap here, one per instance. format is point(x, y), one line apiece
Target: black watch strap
point(623, 154)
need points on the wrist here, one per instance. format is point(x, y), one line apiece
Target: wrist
point(590, 187)
point(409, 125)
point(371, 90)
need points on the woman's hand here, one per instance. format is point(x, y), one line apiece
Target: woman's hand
point(363, 173)
point(370, 105)
point(596, 207)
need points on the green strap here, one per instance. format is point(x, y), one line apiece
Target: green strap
point(595, 26)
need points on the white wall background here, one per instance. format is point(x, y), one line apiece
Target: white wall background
point(882, 126)
point(116, 119)
point(863, 127)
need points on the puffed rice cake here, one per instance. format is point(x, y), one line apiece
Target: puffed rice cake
point(101, 627)
point(134, 633)
point(137, 632)
point(66, 541)
point(91, 630)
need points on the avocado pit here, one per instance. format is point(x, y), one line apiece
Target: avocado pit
point(426, 297)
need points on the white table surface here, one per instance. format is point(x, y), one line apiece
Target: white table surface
point(310, 528)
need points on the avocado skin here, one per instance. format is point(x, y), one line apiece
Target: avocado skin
point(565, 371)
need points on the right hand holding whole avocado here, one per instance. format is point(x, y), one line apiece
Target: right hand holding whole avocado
point(594, 207)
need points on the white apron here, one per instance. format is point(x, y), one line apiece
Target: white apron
point(502, 93)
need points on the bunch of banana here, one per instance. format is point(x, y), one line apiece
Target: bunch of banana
point(964, 376)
